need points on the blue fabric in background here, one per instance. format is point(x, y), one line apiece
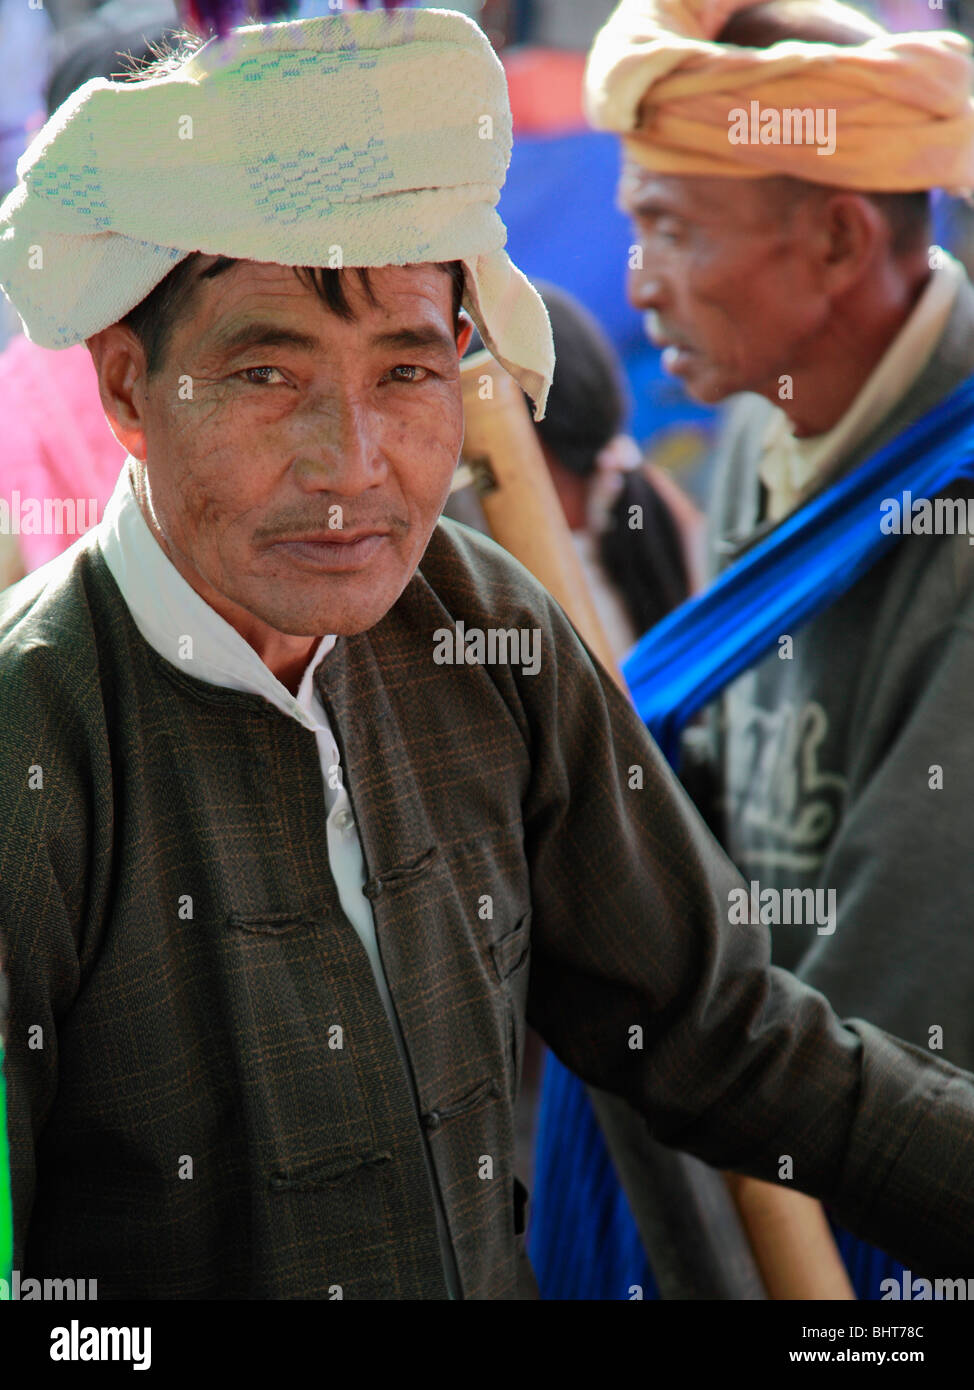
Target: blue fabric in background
point(602, 1258)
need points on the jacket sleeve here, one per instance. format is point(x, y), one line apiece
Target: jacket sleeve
point(41, 966)
point(44, 881)
point(642, 985)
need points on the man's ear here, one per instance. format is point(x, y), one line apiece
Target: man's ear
point(464, 332)
point(855, 231)
point(119, 360)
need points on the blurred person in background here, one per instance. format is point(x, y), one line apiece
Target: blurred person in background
point(840, 759)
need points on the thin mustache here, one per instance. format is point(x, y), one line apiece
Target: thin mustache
point(303, 526)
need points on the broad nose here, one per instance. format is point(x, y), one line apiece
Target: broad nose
point(340, 443)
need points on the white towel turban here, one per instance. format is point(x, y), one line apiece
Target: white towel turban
point(386, 135)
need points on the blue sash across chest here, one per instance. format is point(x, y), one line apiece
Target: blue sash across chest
point(801, 567)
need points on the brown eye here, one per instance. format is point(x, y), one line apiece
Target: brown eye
point(250, 374)
point(414, 374)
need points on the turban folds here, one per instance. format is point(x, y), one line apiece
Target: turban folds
point(365, 139)
point(903, 114)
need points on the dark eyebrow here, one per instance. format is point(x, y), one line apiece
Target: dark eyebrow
point(261, 334)
point(406, 338)
point(649, 206)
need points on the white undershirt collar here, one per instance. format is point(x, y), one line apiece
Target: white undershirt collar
point(181, 625)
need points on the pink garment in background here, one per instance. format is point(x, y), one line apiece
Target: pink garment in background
point(54, 439)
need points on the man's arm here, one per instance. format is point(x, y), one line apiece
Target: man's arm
point(40, 961)
point(641, 984)
point(47, 814)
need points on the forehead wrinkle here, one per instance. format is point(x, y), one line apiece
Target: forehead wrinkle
point(224, 309)
point(246, 316)
point(730, 203)
point(639, 190)
point(253, 279)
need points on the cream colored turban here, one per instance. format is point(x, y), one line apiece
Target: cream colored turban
point(379, 139)
point(902, 110)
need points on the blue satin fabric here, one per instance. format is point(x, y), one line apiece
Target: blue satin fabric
point(583, 1241)
point(803, 566)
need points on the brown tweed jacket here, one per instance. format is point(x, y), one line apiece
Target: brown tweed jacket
point(182, 1121)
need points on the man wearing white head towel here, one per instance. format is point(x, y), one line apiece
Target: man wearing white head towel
point(292, 842)
point(776, 164)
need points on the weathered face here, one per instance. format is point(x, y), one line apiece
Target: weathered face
point(296, 462)
point(731, 284)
